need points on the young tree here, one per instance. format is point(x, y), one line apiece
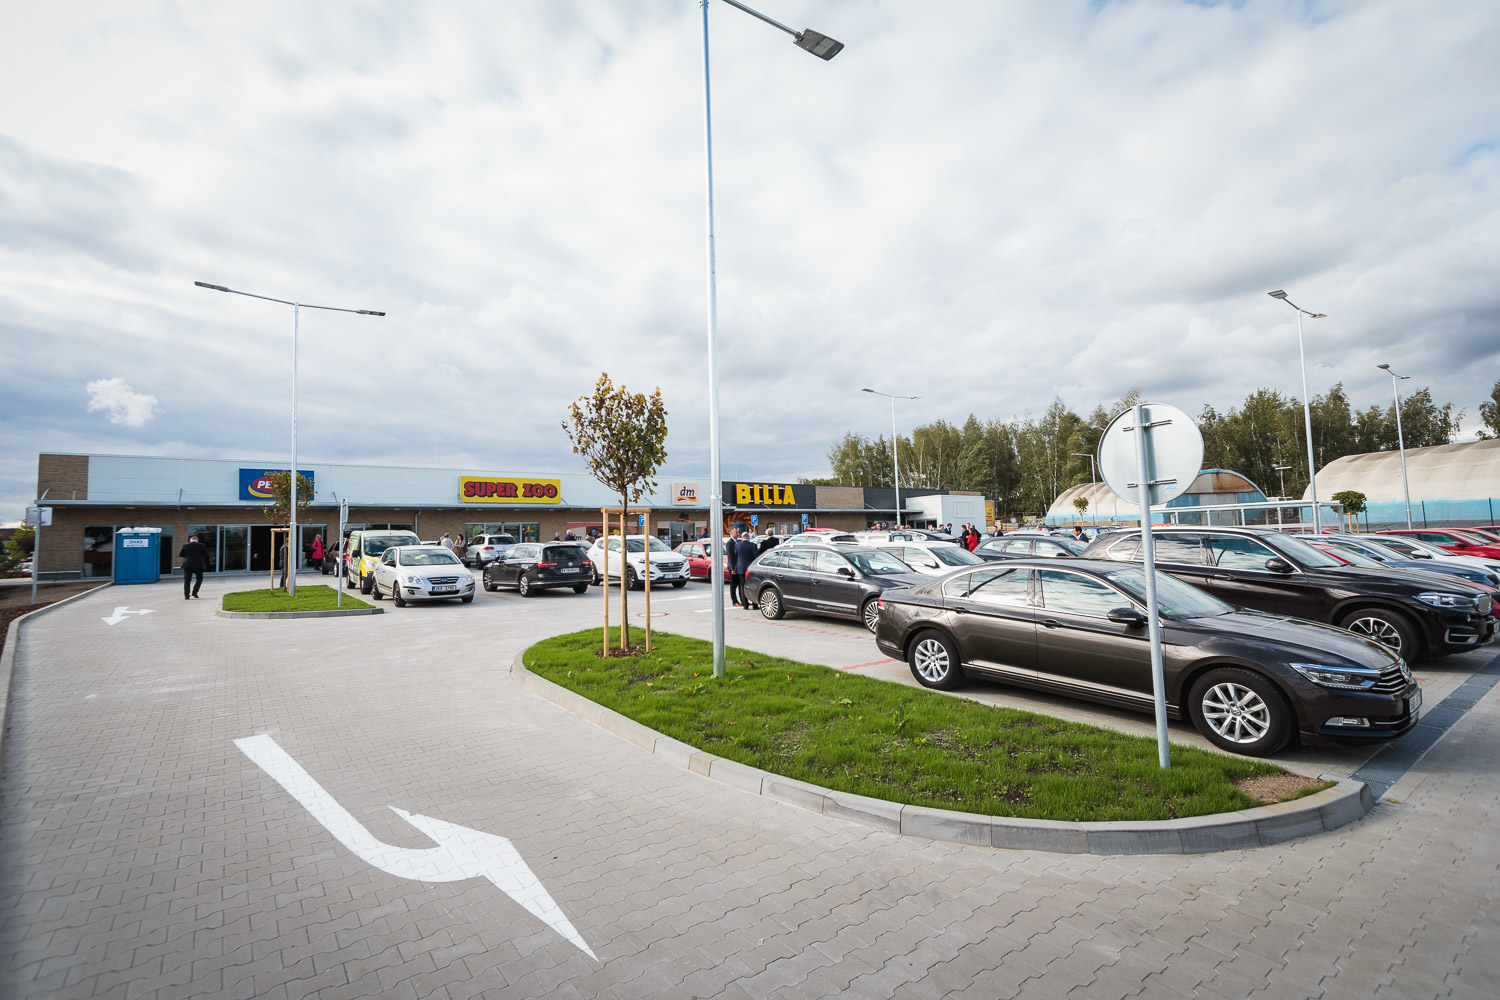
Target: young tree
point(622, 436)
point(280, 508)
point(1082, 503)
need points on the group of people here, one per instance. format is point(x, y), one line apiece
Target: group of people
point(741, 551)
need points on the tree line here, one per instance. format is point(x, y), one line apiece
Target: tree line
point(1024, 464)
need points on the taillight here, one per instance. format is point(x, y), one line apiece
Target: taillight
point(545, 564)
point(880, 603)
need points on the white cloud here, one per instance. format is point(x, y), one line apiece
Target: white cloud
point(120, 403)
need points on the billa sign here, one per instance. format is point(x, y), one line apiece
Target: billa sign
point(763, 494)
point(489, 489)
point(684, 494)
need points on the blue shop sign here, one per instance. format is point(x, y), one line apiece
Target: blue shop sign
point(255, 486)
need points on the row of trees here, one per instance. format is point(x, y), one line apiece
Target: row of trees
point(1024, 464)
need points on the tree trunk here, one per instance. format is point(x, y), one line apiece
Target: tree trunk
point(624, 565)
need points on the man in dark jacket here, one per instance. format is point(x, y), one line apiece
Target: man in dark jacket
point(194, 557)
point(745, 552)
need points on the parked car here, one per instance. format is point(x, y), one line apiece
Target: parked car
point(699, 561)
point(1021, 544)
point(842, 582)
point(420, 573)
point(931, 558)
point(1453, 539)
point(1416, 549)
point(666, 565)
point(483, 549)
point(900, 535)
point(1249, 682)
point(821, 536)
point(363, 551)
point(1361, 552)
point(1282, 574)
point(25, 566)
point(535, 566)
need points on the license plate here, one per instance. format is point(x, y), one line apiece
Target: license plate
point(571, 569)
point(445, 590)
point(1415, 702)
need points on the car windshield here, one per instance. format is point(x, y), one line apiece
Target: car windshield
point(639, 545)
point(1355, 557)
point(954, 556)
point(877, 563)
point(429, 557)
point(1474, 538)
point(377, 544)
point(1304, 552)
point(1173, 597)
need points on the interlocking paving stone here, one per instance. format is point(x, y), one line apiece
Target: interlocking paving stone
point(141, 855)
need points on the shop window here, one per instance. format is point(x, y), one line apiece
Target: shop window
point(208, 534)
point(98, 550)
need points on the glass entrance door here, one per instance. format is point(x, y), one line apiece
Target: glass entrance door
point(234, 548)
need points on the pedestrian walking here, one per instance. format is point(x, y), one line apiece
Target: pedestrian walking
point(317, 553)
point(446, 541)
point(745, 553)
point(194, 557)
point(736, 579)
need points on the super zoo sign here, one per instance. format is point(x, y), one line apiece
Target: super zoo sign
point(488, 489)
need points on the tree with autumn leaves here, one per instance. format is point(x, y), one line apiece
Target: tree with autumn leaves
point(622, 436)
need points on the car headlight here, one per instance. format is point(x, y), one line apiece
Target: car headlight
point(412, 581)
point(1343, 678)
point(1446, 600)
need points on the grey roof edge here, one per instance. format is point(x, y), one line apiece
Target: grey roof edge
point(1259, 827)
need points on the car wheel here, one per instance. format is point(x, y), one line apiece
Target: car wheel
point(489, 584)
point(581, 588)
point(523, 586)
point(870, 613)
point(396, 594)
point(934, 661)
point(770, 603)
point(597, 578)
point(679, 583)
point(372, 590)
point(632, 582)
point(1387, 628)
point(1241, 712)
point(365, 583)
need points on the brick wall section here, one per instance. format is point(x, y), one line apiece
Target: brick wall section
point(840, 498)
point(66, 475)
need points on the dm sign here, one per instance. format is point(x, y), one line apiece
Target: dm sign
point(488, 489)
point(684, 494)
point(254, 484)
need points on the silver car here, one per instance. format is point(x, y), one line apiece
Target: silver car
point(485, 549)
point(421, 573)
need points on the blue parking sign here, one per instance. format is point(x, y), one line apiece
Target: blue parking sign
point(804, 518)
point(642, 521)
point(754, 519)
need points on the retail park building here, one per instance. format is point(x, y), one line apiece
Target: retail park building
point(223, 503)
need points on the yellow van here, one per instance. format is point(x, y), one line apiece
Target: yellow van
point(364, 549)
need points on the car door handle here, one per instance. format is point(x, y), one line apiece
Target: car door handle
point(1221, 576)
point(960, 611)
point(1051, 623)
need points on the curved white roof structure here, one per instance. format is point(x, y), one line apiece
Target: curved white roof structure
point(1213, 486)
point(1468, 471)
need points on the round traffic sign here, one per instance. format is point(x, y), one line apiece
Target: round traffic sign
point(1174, 453)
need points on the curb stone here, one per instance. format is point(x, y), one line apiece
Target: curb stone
point(336, 613)
point(1259, 827)
point(8, 657)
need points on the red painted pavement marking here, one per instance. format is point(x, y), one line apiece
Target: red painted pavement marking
point(872, 663)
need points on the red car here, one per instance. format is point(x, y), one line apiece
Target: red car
point(1455, 540)
point(696, 554)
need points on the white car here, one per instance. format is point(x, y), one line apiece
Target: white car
point(821, 538)
point(931, 558)
point(421, 573)
point(1414, 548)
point(666, 566)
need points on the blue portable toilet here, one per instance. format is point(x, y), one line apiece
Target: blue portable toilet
point(137, 555)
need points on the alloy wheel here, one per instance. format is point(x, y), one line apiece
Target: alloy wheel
point(871, 614)
point(1236, 713)
point(930, 657)
point(1378, 629)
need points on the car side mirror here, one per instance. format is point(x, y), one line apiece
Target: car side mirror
point(1127, 616)
point(1421, 555)
point(1278, 565)
point(930, 564)
point(845, 571)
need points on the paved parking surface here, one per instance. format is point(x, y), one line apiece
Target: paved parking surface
point(144, 855)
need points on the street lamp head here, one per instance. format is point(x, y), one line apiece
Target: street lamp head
point(1317, 315)
point(820, 45)
point(369, 312)
point(867, 390)
point(1278, 294)
point(204, 284)
point(1386, 367)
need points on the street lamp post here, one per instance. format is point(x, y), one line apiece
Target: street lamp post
point(824, 48)
point(1312, 472)
point(1400, 439)
point(293, 542)
point(895, 463)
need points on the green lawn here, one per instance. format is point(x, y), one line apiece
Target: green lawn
point(889, 741)
point(307, 599)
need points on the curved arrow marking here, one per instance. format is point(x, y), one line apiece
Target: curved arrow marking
point(462, 852)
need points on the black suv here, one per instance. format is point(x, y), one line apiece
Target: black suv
point(534, 567)
point(1280, 574)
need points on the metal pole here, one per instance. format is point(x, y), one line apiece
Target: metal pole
point(36, 552)
point(292, 544)
point(1153, 622)
point(895, 463)
point(1312, 474)
point(1401, 443)
point(715, 495)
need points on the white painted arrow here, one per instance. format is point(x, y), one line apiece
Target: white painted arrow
point(461, 853)
point(122, 613)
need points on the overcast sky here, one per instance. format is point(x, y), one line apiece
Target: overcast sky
point(986, 204)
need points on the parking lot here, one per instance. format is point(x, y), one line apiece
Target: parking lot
point(146, 854)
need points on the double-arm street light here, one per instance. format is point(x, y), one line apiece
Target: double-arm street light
point(1312, 472)
point(1400, 439)
point(824, 48)
point(293, 542)
point(1281, 473)
point(895, 464)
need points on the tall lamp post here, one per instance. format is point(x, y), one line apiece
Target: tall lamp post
point(895, 463)
point(1312, 472)
point(1400, 439)
point(293, 542)
point(824, 48)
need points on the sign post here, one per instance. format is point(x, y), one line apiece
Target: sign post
point(1150, 454)
point(339, 566)
point(38, 517)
